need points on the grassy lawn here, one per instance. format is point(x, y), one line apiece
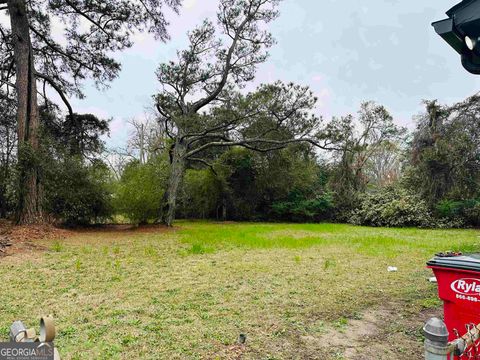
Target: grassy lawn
point(189, 292)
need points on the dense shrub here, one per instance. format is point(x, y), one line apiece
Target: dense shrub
point(392, 207)
point(472, 214)
point(139, 192)
point(200, 195)
point(238, 174)
point(286, 185)
point(78, 193)
point(7, 192)
point(299, 208)
point(444, 155)
point(450, 208)
point(465, 211)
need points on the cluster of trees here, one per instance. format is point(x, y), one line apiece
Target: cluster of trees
point(33, 59)
point(209, 149)
point(76, 183)
point(374, 173)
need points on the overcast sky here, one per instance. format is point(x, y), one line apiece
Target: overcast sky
point(346, 51)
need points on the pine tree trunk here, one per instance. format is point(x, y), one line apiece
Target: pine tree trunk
point(30, 190)
point(177, 169)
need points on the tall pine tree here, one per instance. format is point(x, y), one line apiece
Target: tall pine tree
point(32, 59)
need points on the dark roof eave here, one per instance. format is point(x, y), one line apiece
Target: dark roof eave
point(461, 5)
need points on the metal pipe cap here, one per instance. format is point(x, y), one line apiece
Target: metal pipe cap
point(435, 330)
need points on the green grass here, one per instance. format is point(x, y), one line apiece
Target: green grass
point(188, 293)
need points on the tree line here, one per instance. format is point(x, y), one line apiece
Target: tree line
point(376, 174)
point(209, 149)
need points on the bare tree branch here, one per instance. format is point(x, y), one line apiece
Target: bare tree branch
point(58, 90)
point(253, 144)
point(206, 163)
point(8, 83)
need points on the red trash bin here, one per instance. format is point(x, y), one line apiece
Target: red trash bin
point(458, 279)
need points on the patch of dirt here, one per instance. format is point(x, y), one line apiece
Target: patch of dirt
point(392, 332)
point(385, 334)
point(231, 352)
point(25, 238)
point(150, 228)
point(19, 239)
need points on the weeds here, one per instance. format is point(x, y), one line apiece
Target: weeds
point(274, 282)
point(57, 246)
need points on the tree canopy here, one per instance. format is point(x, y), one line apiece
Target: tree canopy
point(61, 43)
point(202, 104)
point(73, 40)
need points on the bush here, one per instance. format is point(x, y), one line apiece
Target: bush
point(139, 192)
point(466, 211)
point(200, 195)
point(450, 208)
point(472, 213)
point(301, 209)
point(8, 186)
point(238, 179)
point(77, 193)
point(282, 185)
point(392, 207)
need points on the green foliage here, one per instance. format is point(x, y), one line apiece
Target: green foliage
point(471, 213)
point(139, 192)
point(80, 52)
point(200, 196)
point(78, 193)
point(288, 185)
point(366, 153)
point(438, 187)
point(301, 209)
point(57, 246)
point(466, 211)
point(445, 160)
point(8, 190)
point(197, 249)
point(392, 207)
point(450, 208)
point(445, 153)
point(239, 173)
point(78, 185)
point(7, 154)
point(80, 134)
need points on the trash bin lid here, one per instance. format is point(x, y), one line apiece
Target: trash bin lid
point(463, 262)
